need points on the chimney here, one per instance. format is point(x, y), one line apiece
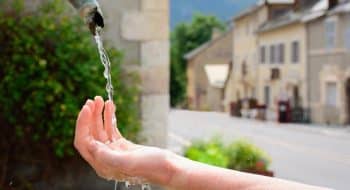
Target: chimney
point(332, 3)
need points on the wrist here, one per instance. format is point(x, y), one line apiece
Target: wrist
point(179, 168)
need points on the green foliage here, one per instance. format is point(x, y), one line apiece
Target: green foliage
point(185, 38)
point(246, 156)
point(210, 153)
point(49, 67)
point(240, 155)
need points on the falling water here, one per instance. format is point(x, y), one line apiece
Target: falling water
point(106, 63)
point(109, 88)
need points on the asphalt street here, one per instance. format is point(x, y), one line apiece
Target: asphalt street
point(311, 154)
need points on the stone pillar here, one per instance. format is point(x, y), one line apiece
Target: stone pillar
point(140, 28)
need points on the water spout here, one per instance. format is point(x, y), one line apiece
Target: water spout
point(90, 12)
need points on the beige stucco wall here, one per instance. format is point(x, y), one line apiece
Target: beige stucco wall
point(245, 50)
point(291, 74)
point(328, 65)
point(218, 52)
point(214, 98)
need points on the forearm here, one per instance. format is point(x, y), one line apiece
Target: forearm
point(190, 175)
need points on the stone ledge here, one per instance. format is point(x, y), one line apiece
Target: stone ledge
point(145, 26)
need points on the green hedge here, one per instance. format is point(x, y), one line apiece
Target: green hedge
point(49, 68)
point(240, 155)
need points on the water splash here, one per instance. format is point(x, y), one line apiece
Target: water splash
point(110, 91)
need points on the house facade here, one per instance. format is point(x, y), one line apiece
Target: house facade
point(207, 69)
point(282, 79)
point(242, 84)
point(282, 67)
point(329, 65)
point(298, 59)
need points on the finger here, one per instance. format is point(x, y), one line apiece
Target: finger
point(115, 123)
point(82, 126)
point(82, 134)
point(110, 122)
point(98, 130)
point(83, 137)
point(91, 105)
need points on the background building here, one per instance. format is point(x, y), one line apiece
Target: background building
point(243, 80)
point(282, 77)
point(207, 70)
point(329, 67)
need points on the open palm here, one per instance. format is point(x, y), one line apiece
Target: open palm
point(113, 157)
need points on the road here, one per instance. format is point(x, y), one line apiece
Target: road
point(309, 154)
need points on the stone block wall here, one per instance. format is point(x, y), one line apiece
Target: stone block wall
point(140, 28)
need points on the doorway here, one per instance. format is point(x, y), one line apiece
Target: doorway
point(347, 91)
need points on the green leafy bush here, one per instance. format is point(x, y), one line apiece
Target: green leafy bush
point(245, 156)
point(211, 152)
point(49, 68)
point(240, 155)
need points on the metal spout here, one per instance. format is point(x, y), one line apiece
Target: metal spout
point(90, 12)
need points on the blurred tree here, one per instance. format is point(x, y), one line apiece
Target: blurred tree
point(185, 38)
point(49, 68)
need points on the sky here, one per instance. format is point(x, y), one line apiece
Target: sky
point(182, 10)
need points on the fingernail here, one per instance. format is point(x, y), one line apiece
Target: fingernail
point(98, 97)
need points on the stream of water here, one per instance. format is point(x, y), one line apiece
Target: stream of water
point(109, 89)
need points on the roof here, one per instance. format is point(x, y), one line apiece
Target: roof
point(321, 9)
point(290, 17)
point(313, 16)
point(206, 45)
point(196, 51)
point(217, 74)
point(341, 8)
point(259, 4)
point(316, 10)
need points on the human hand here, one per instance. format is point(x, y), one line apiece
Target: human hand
point(113, 157)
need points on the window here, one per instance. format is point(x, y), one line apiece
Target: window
point(244, 69)
point(347, 38)
point(280, 53)
point(254, 93)
point(295, 52)
point(330, 31)
point(262, 54)
point(331, 94)
point(275, 74)
point(267, 95)
point(272, 54)
point(278, 12)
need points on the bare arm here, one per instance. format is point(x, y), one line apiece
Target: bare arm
point(190, 175)
point(113, 157)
